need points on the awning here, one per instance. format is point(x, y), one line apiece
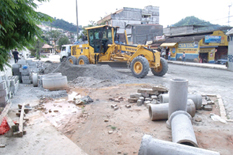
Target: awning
point(168, 44)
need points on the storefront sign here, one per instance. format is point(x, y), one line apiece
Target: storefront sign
point(188, 45)
point(212, 39)
point(159, 38)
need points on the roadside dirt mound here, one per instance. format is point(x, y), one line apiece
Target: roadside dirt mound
point(102, 72)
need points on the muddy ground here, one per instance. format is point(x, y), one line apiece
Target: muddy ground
point(98, 129)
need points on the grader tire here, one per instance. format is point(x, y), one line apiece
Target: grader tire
point(162, 70)
point(72, 60)
point(139, 67)
point(83, 60)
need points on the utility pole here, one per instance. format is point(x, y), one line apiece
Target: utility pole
point(77, 16)
point(229, 14)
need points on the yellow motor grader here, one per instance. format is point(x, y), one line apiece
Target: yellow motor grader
point(102, 47)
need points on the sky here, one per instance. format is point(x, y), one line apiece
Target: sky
point(171, 11)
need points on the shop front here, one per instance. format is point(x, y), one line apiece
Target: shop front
point(190, 50)
point(213, 47)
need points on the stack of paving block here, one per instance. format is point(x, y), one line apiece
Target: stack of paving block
point(3, 90)
point(147, 95)
point(14, 85)
point(25, 75)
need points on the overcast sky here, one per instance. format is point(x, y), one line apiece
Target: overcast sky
point(171, 11)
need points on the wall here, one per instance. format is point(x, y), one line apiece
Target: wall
point(143, 33)
point(230, 53)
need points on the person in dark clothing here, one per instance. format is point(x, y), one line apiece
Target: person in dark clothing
point(15, 55)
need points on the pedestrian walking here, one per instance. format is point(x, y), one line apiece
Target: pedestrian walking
point(16, 55)
point(169, 55)
point(183, 57)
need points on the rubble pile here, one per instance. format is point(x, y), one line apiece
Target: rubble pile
point(147, 95)
point(101, 72)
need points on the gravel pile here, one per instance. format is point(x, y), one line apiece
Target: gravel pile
point(101, 72)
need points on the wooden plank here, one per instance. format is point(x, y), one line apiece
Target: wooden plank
point(5, 111)
point(11, 124)
point(21, 121)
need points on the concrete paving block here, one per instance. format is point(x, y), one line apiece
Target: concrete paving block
point(154, 97)
point(3, 85)
point(3, 92)
point(132, 100)
point(25, 77)
point(160, 88)
point(147, 90)
point(148, 99)
point(4, 99)
point(27, 81)
point(3, 104)
point(135, 95)
point(208, 107)
point(139, 102)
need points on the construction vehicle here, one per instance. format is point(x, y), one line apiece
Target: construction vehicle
point(103, 47)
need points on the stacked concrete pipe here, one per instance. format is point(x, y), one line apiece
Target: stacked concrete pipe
point(182, 129)
point(160, 111)
point(151, 146)
point(197, 99)
point(178, 95)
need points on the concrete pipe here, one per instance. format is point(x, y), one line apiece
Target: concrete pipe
point(178, 95)
point(182, 129)
point(55, 83)
point(160, 111)
point(151, 146)
point(197, 99)
point(35, 79)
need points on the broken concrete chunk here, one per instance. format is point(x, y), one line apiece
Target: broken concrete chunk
point(198, 119)
point(116, 108)
point(128, 106)
point(210, 102)
point(135, 95)
point(160, 89)
point(56, 110)
point(145, 95)
point(147, 102)
point(110, 132)
point(148, 99)
point(154, 97)
point(208, 107)
point(132, 100)
point(139, 102)
point(142, 98)
point(147, 91)
point(106, 120)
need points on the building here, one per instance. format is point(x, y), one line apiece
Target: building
point(198, 47)
point(140, 33)
point(133, 16)
point(230, 50)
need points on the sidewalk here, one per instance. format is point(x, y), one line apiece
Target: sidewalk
point(204, 65)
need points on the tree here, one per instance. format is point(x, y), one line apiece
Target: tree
point(63, 40)
point(55, 36)
point(18, 26)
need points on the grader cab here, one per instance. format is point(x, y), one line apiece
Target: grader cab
point(103, 47)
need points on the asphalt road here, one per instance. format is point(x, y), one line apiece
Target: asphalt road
point(201, 80)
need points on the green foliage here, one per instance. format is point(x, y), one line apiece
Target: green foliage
point(63, 40)
point(191, 20)
point(60, 23)
point(55, 35)
point(18, 25)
